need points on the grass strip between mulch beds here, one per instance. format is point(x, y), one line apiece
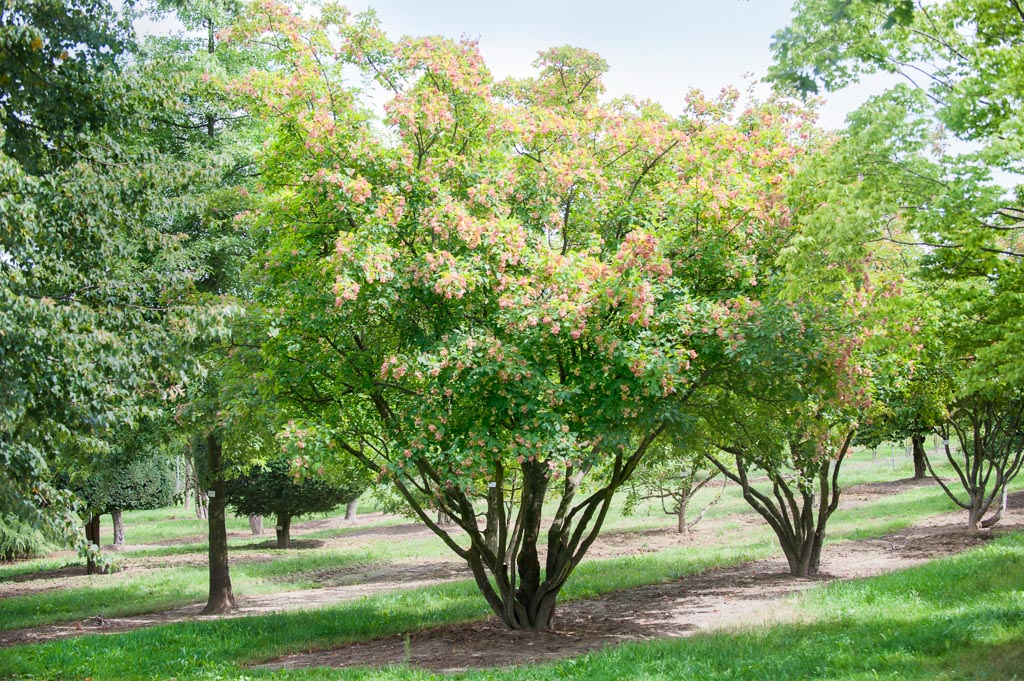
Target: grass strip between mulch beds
point(956, 618)
point(156, 590)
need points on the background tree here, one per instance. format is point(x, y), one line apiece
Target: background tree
point(90, 278)
point(501, 294)
point(672, 474)
point(990, 433)
point(274, 490)
point(121, 481)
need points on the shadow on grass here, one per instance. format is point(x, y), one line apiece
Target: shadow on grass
point(957, 618)
point(295, 545)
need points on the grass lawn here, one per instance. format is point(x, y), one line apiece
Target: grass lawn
point(931, 622)
point(956, 618)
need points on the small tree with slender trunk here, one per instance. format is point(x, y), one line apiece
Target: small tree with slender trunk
point(672, 475)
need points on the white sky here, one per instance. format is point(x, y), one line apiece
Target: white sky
point(656, 49)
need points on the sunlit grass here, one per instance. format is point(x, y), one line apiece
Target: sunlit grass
point(957, 618)
point(259, 570)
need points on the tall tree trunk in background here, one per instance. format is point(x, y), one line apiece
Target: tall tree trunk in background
point(350, 510)
point(920, 458)
point(284, 528)
point(221, 598)
point(92, 536)
point(202, 505)
point(118, 527)
point(190, 483)
point(256, 524)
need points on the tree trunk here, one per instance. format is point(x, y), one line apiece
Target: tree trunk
point(92, 536)
point(118, 527)
point(974, 514)
point(350, 510)
point(534, 609)
point(284, 525)
point(221, 598)
point(189, 485)
point(804, 558)
point(202, 505)
point(920, 457)
point(256, 524)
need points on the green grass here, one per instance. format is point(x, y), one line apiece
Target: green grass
point(252, 573)
point(161, 589)
point(957, 618)
point(852, 618)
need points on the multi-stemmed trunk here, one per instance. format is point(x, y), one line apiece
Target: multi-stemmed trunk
point(221, 598)
point(505, 556)
point(797, 513)
point(256, 524)
point(284, 530)
point(990, 455)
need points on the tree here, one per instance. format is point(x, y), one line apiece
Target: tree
point(802, 463)
point(501, 294)
point(959, 60)
point(791, 412)
point(990, 433)
point(274, 490)
point(90, 281)
point(672, 474)
point(122, 480)
point(206, 129)
point(961, 229)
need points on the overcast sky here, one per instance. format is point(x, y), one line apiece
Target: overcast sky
point(656, 49)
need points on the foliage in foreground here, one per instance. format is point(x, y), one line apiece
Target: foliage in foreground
point(501, 293)
point(19, 540)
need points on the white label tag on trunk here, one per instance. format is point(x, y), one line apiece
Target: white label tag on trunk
point(211, 494)
point(279, 528)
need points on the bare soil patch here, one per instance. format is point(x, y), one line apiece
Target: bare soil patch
point(741, 596)
point(748, 594)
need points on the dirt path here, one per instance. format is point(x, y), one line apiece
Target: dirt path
point(741, 596)
point(747, 594)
